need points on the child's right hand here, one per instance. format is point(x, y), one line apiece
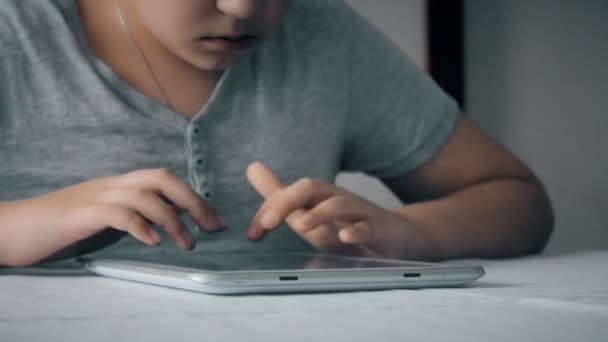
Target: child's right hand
point(33, 229)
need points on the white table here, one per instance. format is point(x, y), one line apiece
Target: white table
point(542, 298)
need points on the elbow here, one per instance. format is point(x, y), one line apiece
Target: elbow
point(543, 234)
point(545, 230)
point(532, 223)
point(542, 223)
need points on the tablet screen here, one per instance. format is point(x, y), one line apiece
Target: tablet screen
point(247, 262)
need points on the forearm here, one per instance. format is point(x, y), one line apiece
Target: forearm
point(20, 232)
point(497, 218)
point(28, 234)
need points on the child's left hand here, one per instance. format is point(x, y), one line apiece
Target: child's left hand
point(329, 217)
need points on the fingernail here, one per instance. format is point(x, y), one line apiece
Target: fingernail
point(270, 219)
point(216, 222)
point(154, 236)
point(210, 222)
point(189, 240)
point(223, 223)
point(255, 235)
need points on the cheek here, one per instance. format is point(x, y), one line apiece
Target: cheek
point(273, 14)
point(156, 15)
point(153, 10)
point(171, 19)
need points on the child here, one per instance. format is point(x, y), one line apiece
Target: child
point(122, 115)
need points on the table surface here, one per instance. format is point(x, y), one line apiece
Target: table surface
point(539, 298)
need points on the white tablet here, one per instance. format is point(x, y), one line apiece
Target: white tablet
point(275, 273)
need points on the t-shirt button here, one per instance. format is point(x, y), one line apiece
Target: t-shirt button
point(200, 161)
point(207, 194)
point(196, 130)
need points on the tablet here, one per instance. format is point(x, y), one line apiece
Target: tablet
point(277, 273)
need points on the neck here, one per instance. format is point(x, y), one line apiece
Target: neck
point(186, 86)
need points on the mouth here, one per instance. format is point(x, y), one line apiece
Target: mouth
point(231, 38)
point(230, 42)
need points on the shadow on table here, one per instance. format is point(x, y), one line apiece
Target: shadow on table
point(66, 272)
point(55, 269)
point(488, 285)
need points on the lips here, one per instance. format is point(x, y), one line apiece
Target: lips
point(239, 38)
point(230, 42)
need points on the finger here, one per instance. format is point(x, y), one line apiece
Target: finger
point(263, 179)
point(181, 194)
point(300, 195)
point(360, 233)
point(152, 207)
point(323, 237)
point(127, 220)
point(335, 208)
point(326, 238)
point(282, 201)
point(266, 183)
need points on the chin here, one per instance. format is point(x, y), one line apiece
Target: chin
point(214, 64)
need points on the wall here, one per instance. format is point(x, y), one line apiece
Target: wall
point(538, 81)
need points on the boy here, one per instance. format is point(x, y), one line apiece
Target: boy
point(108, 107)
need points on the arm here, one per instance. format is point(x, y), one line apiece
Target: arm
point(26, 237)
point(75, 219)
point(474, 198)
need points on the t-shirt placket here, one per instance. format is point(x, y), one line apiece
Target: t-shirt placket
point(198, 160)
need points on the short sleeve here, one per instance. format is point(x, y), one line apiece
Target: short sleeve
point(397, 116)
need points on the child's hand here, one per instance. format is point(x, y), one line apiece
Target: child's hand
point(329, 217)
point(131, 203)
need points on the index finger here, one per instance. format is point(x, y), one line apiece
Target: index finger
point(282, 202)
point(182, 195)
point(263, 179)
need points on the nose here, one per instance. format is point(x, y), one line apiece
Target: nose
point(241, 9)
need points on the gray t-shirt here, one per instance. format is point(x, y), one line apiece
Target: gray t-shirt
point(326, 93)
